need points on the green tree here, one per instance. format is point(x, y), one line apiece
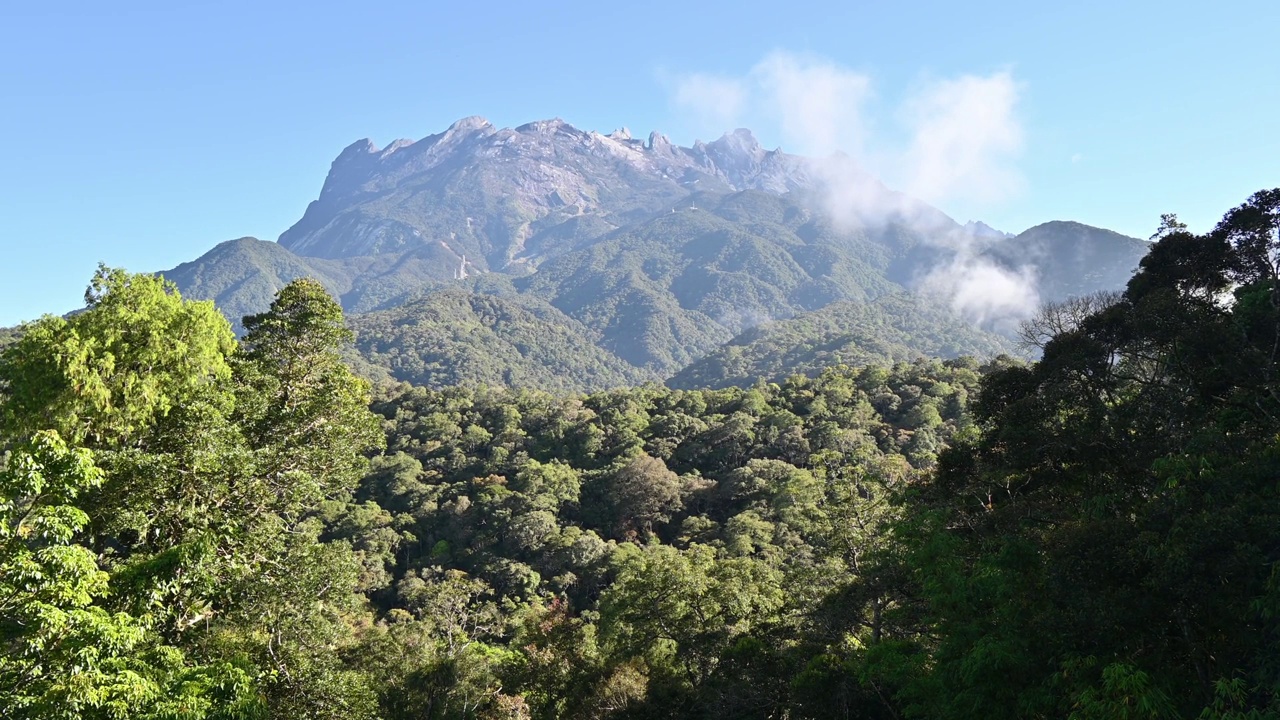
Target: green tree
point(303, 412)
point(640, 493)
point(681, 610)
point(1105, 545)
point(62, 655)
point(217, 467)
point(103, 376)
point(291, 599)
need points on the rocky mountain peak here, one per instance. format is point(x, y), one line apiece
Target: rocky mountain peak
point(395, 146)
point(481, 191)
point(740, 159)
point(351, 168)
point(546, 126)
point(740, 142)
point(361, 147)
point(979, 229)
point(469, 124)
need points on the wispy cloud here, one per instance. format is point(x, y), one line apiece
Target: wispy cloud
point(982, 291)
point(965, 138)
point(963, 135)
point(818, 104)
point(954, 139)
point(716, 103)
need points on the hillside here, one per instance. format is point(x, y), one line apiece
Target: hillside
point(1073, 259)
point(242, 276)
point(667, 291)
point(455, 337)
point(892, 328)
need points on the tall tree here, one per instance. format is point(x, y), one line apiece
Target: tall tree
point(293, 601)
point(1107, 546)
point(302, 410)
point(217, 466)
point(102, 376)
point(63, 655)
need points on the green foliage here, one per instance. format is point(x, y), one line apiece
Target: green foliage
point(660, 548)
point(305, 413)
point(63, 655)
point(669, 289)
point(681, 610)
point(238, 535)
point(749, 286)
point(226, 599)
point(1074, 259)
point(243, 276)
point(103, 375)
point(452, 338)
point(898, 327)
point(60, 652)
point(1106, 545)
point(1124, 692)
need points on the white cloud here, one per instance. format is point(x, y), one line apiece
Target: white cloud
point(956, 139)
point(715, 102)
point(818, 104)
point(983, 292)
point(965, 136)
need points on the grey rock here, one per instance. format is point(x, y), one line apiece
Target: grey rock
point(488, 192)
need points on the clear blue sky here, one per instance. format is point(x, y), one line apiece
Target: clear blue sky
point(143, 133)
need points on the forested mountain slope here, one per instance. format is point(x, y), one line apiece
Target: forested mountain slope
point(1072, 259)
point(896, 327)
point(454, 337)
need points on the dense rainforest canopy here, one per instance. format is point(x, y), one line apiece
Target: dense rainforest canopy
point(194, 526)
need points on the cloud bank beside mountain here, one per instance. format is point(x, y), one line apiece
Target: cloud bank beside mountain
point(947, 140)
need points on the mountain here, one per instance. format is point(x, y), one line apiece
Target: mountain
point(571, 259)
point(1072, 259)
point(979, 229)
point(480, 198)
point(242, 276)
point(9, 336)
point(668, 290)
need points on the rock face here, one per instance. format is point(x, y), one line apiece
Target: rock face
point(499, 196)
point(979, 229)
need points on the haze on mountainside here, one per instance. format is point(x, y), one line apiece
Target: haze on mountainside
point(485, 254)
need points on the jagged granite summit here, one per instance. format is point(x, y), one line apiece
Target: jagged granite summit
point(979, 229)
point(498, 195)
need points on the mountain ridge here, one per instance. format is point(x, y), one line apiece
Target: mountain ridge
point(653, 254)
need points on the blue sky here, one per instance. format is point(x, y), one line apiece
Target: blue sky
point(143, 133)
